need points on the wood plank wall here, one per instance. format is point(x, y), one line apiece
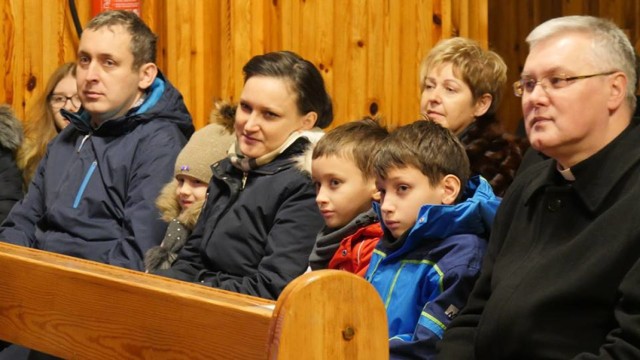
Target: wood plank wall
point(511, 21)
point(368, 50)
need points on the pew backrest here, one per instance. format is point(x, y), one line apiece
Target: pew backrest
point(78, 309)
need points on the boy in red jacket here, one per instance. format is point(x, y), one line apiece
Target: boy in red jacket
point(345, 188)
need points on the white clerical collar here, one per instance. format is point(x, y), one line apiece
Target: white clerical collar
point(566, 173)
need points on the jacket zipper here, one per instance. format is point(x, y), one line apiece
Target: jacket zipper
point(244, 179)
point(85, 181)
point(82, 142)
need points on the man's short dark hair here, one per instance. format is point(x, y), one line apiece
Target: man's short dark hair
point(143, 40)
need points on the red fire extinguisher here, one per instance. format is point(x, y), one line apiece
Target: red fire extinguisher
point(98, 6)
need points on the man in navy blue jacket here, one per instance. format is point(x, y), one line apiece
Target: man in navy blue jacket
point(93, 194)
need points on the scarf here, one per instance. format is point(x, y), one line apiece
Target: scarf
point(328, 240)
point(246, 164)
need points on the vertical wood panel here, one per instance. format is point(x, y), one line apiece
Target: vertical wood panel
point(511, 21)
point(367, 50)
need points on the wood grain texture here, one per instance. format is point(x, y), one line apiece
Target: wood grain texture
point(78, 309)
point(368, 50)
point(511, 21)
point(330, 332)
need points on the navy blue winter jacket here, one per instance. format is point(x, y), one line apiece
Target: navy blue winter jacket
point(256, 231)
point(93, 194)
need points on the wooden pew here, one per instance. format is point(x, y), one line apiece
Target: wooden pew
point(77, 309)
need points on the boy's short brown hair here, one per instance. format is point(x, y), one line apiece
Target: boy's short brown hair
point(355, 140)
point(426, 146)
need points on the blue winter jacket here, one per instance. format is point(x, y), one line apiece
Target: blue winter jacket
point(93, 194)
point(426, 280)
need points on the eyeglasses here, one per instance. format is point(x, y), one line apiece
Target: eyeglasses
point(553, 82)
point(58, 100)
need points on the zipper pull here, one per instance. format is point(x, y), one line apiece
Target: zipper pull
point(82, 142)
point(244, 179)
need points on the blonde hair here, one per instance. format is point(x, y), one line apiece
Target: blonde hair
point(40, 126)
point(483, 71)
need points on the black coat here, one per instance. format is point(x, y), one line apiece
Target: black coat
point(10, 176)
point(561, 278)
point(253, 239)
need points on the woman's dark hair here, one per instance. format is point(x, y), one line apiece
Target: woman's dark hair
point(304, 77)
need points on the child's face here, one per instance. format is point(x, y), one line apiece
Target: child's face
point(402, 194)
point(342, 192)
point(189, 190)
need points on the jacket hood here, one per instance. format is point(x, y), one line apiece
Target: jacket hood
point(11, 134)
point(167, 203)
point(474, 215)
point(224, 113)
point(163, 102)
point(303, 162)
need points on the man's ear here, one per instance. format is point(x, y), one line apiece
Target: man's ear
point(309, 120)
point(147, 74)
point(618, 90)
point(450, 185)
point(482, 104)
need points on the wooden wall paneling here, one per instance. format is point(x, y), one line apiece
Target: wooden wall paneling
point(406, 87)
point(179, 49)
point(17, 64)
point(273, 25)
point(435, 23)
point(368, 50)
point(71, 40)
point(574, 7)
point(391, 64)
point(189, 47)
point(339, 79)
point(508, 41)
point(242, 15)
point(376, 27)
point(153, 13)
point(225, 58)
point(460, 18)
point(40, 56)
point(510, 22)
point(318, 43)
point(478, 17)
point(11, 47)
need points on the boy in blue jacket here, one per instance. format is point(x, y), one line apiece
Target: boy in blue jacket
point(435, 222)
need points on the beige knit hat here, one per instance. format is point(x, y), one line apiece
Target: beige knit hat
point(206, 146)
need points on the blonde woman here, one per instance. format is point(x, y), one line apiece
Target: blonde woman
point(44, 119)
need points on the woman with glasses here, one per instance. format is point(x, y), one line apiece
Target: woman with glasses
point(461, 87)
point(44, 118)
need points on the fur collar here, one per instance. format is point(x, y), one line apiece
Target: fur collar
point(11, 134)
point(170, 209)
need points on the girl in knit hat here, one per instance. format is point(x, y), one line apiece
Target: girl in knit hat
point(181, 200)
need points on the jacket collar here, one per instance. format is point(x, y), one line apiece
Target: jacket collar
point(284, 161)
point(162, 100)
point(474, 216)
